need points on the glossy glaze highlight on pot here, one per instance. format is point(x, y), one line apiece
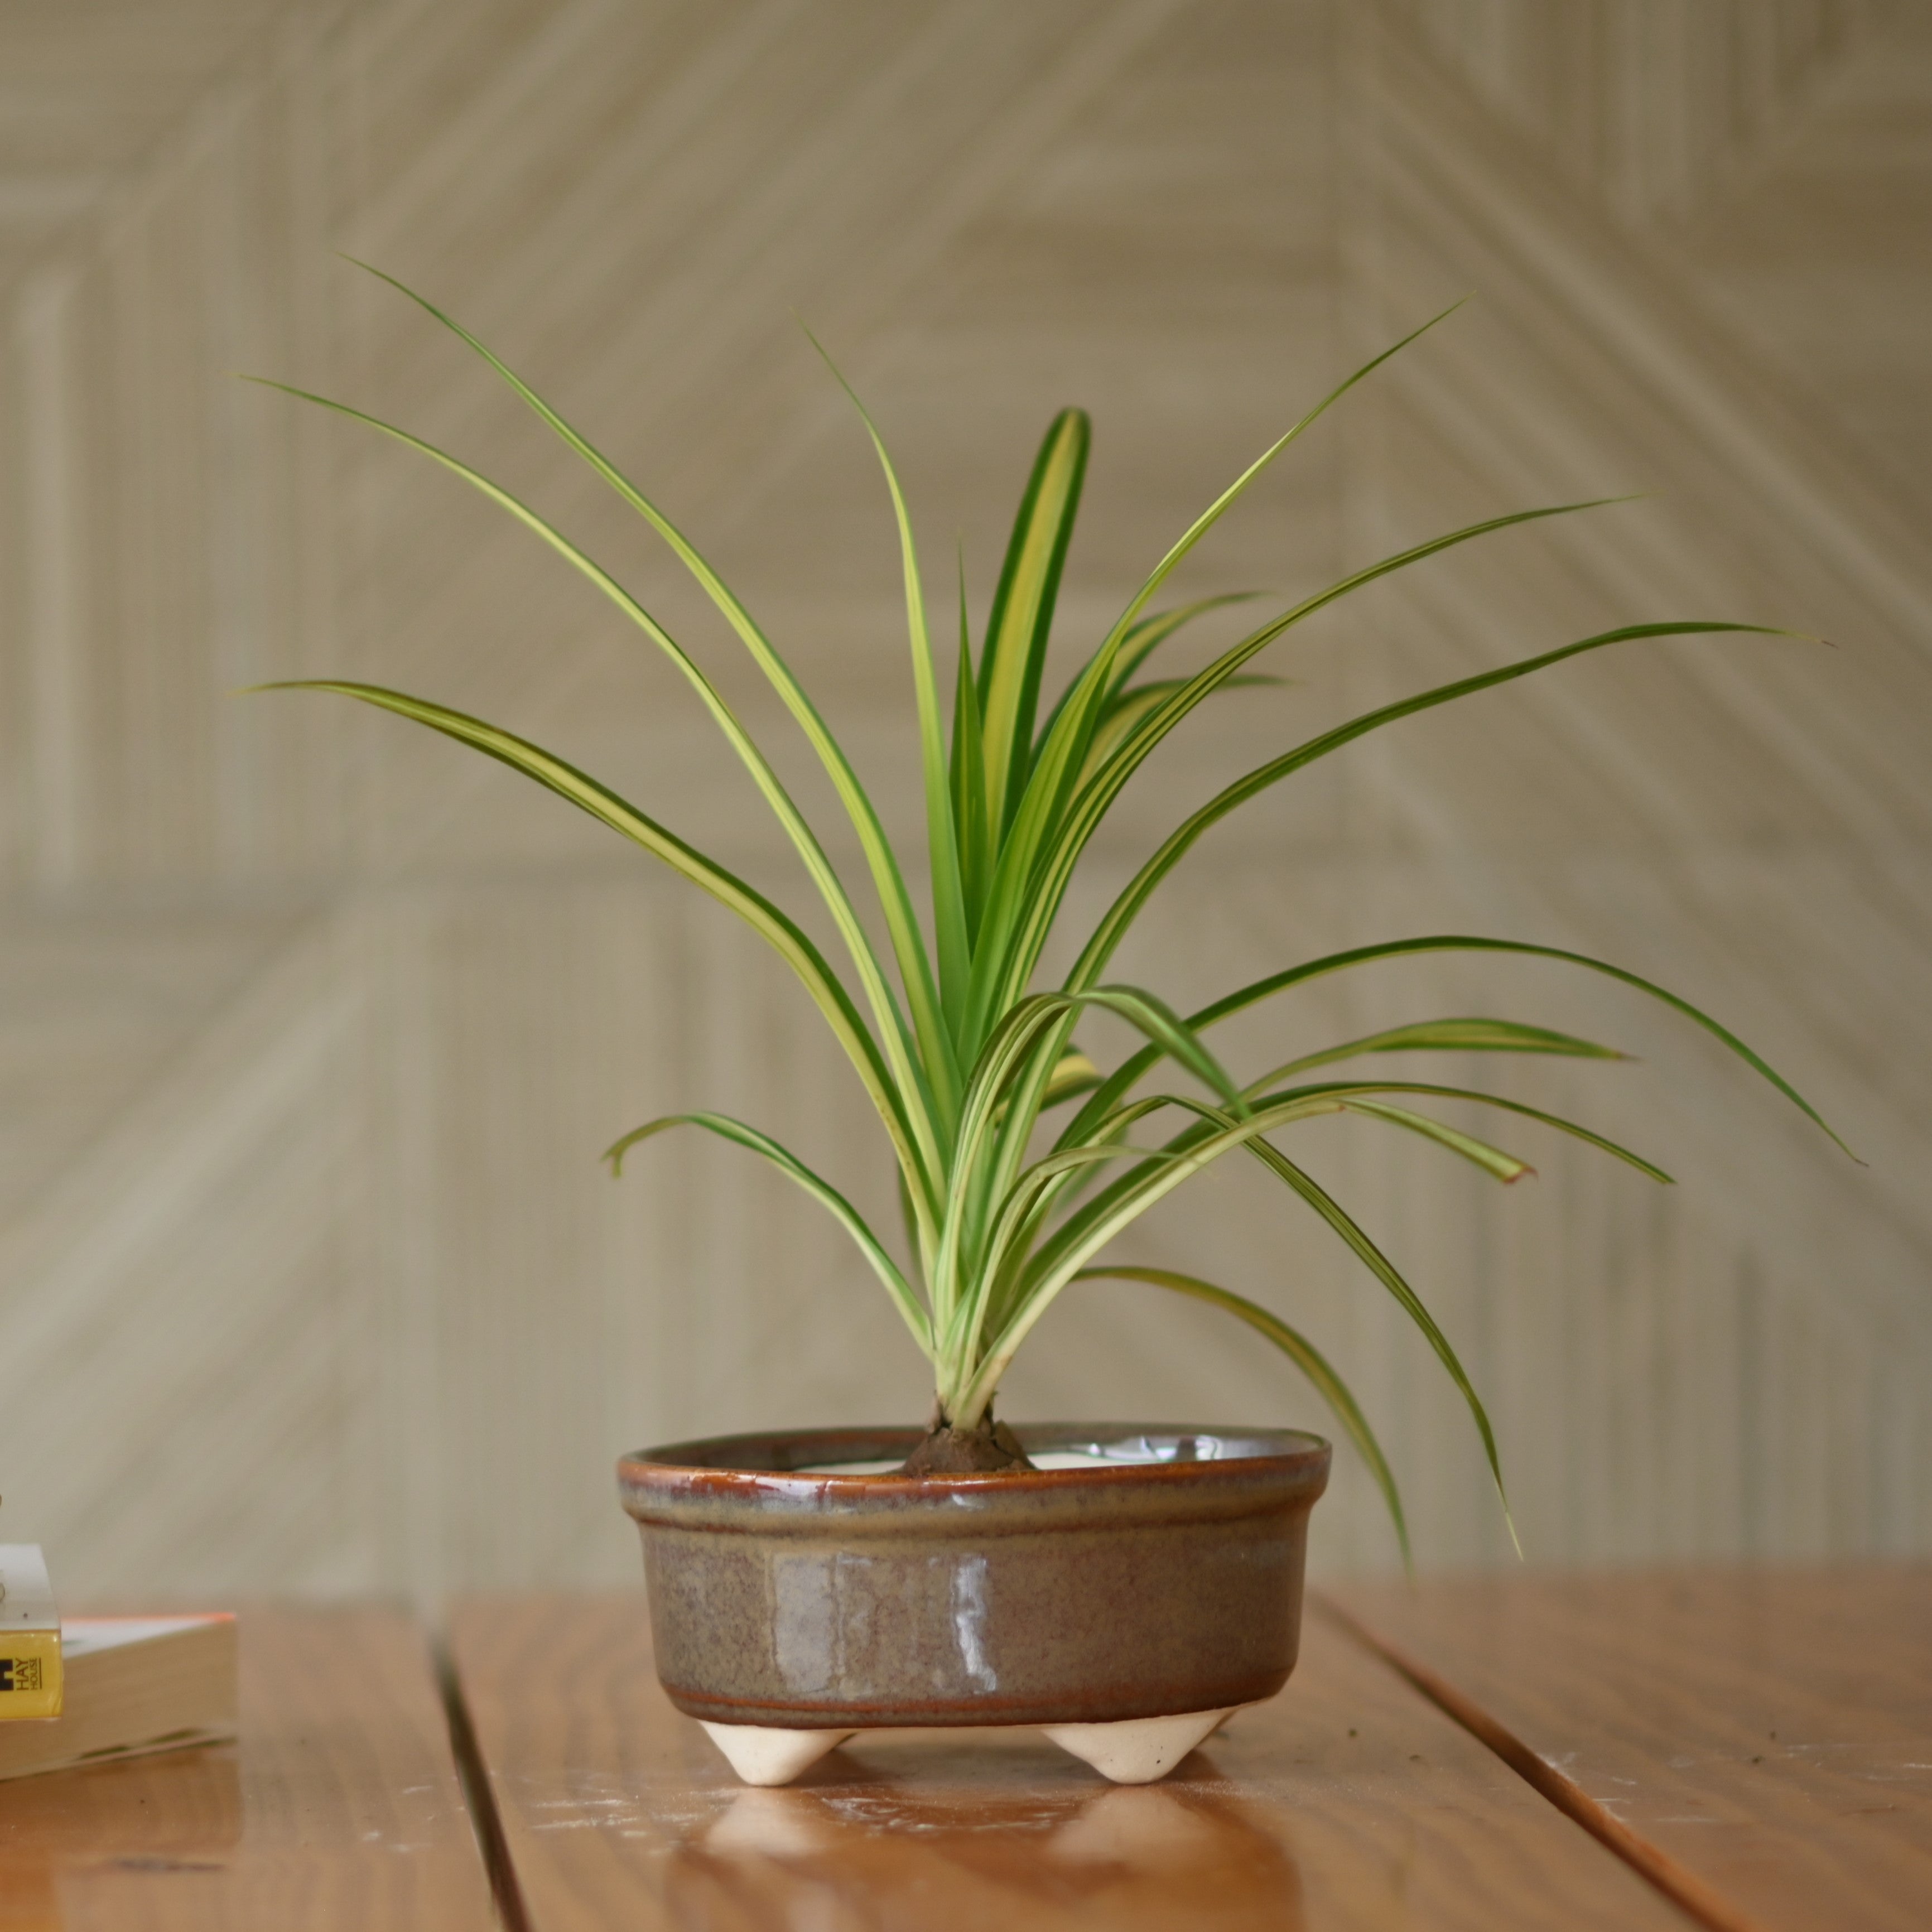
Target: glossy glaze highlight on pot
point(1163, 1575)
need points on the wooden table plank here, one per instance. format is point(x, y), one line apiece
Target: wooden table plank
point(338, 1807)
point(1348, 1802)
point(1767, 1732)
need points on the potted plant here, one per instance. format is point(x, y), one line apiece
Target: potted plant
point(1125, 1584)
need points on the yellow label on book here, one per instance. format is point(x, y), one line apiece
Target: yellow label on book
point(30, 1674)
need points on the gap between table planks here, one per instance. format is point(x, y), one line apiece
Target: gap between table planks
point(338, 1809)
point(1348, 1803)
point(1765, 1734)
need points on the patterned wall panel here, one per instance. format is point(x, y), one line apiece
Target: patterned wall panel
point(309, 1276)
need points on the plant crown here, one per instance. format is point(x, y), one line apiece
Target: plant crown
point(958, 1050)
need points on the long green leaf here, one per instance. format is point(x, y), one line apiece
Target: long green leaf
point(968, 1182)
point(1037, 1065)
point(1152, 1015)
point(1249, 1135)
point(901, 922)
point(1345, 1091)
point(773, 926)
point(1077, 1239)
point(1104, 658)
point(1022, 618)
point(977, 1181)
point(1125, 712)
point(949, 905)
point(1149, 634)
point(910, 1076)
point(1144, 635)
point(921, 1232)
point(1302, 1352)
point(1113, 924)
point(1009, 1281)
point(1385, 1271)
point(1122, 1080)
point(821, 1190)
point(1073, 1074)
point(1027, 909)
point(972, 826)
point(1492, 1160)
point(1016, 1213)
point(1064, 750)
point(1453, 1036)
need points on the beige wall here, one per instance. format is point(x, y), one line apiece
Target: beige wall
point(312, 1027)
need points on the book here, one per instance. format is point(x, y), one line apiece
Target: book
point(132, 1685)
point(30, 1637)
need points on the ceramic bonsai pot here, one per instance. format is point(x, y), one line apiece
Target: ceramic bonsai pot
point(801, 1589)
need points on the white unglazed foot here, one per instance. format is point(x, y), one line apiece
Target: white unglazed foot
point(1132, 1750)
point(1137, 1751)
point(767, 1754)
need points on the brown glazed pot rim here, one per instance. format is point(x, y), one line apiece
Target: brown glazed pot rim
point(780, 1463)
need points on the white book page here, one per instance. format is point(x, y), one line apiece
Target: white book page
point(81, 1635)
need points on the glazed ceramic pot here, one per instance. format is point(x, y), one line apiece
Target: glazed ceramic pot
point(1143, 1570)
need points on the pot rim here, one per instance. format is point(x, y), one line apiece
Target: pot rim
point(758, 1459)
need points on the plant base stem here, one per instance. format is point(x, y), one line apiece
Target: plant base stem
point(989, 1448)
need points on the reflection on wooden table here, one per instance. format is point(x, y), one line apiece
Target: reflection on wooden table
point(1349, 1801)
point(947, 1832)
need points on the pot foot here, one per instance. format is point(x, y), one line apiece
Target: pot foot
point(1132, 1750)
point(1137, 1750)
point(766, 1754)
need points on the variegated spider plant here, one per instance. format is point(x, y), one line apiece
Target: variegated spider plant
point(961, 1053)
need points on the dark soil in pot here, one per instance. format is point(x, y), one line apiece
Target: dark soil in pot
point(989, 1448)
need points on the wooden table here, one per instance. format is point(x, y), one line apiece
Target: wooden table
point(1759, 1741)
point(339, 1809)
point(1740, 1751)
point(1610, 1761)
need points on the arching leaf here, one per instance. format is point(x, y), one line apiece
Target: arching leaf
point(1302, 1352)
